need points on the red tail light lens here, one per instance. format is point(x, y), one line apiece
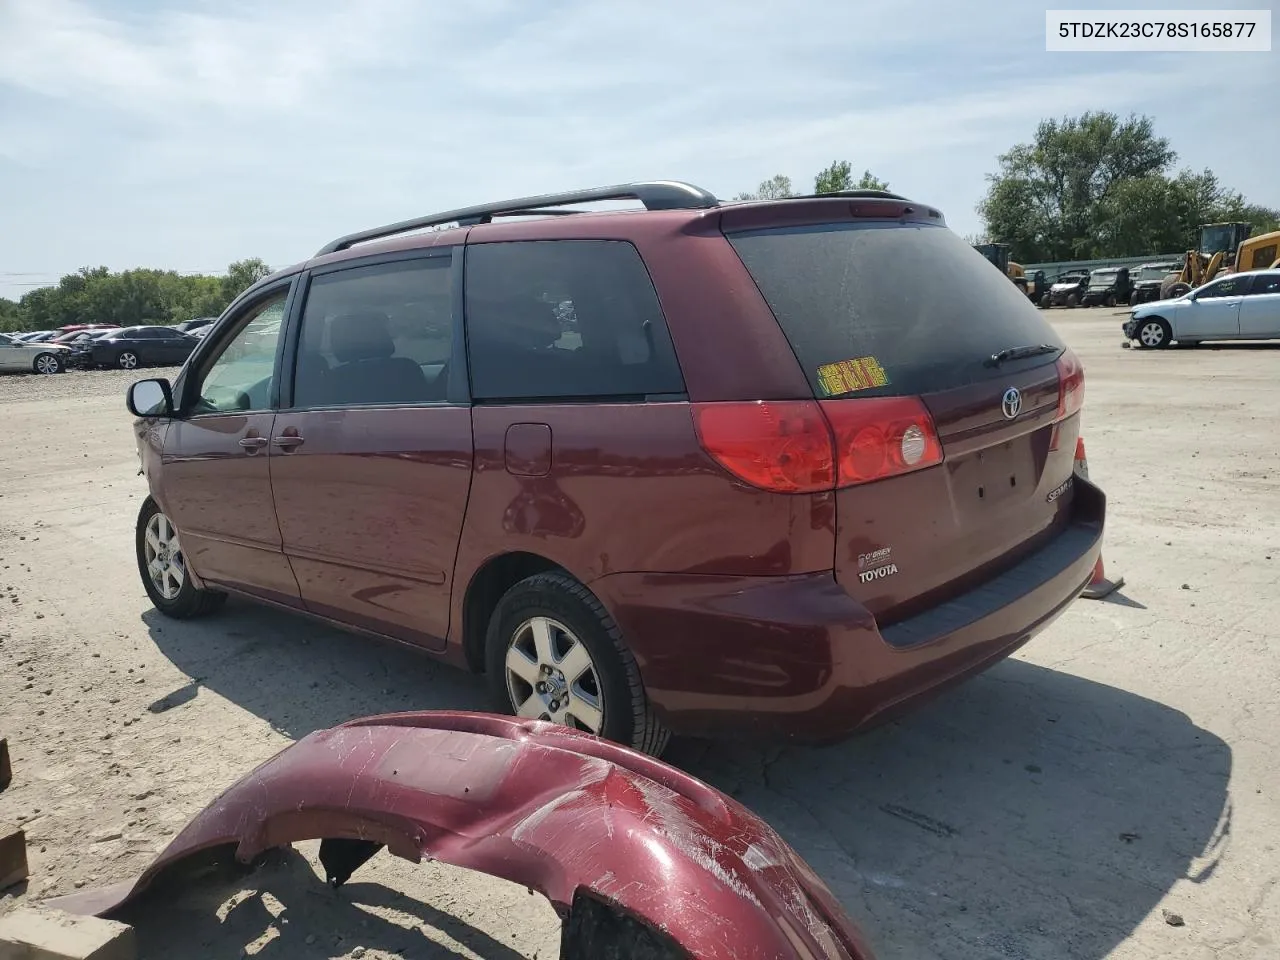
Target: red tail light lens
point(786, 446)
point(1070, 385)
point(779, 445)
point(881, 437)
point(1070, 392)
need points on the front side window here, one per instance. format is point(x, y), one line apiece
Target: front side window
point(565, 320)
point(380, 334)
point(1230, 287)
point(240, 379)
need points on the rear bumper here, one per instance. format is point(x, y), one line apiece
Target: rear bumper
point(798, 658)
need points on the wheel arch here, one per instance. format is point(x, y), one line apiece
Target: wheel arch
point(491, 580)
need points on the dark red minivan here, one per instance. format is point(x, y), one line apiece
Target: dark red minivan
point(769, 468)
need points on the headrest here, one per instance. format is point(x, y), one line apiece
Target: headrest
point(524, 321)
point(362, 335)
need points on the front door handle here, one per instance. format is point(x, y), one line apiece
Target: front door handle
point(287, 442)
point(253, 443)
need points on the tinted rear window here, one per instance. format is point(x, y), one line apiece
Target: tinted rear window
point(886, 309)
point(565, 320)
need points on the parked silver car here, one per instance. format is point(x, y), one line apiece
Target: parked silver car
point(32, 357)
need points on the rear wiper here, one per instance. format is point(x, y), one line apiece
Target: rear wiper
point(1018, 353)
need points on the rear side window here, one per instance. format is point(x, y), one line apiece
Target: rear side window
point(1266, 283)
point(874, 309)
point(565, 320)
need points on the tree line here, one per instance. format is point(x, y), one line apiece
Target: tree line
point(837, 177)
point(1087, 187)
point(129, 297)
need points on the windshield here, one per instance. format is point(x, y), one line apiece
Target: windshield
point(1103, 279)
point(1154, 273)
point(862, 318)
point(1215, 239)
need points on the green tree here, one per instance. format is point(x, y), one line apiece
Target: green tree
point(10, 316)
point(243, 274)
point(96, 295)
point(775, 188)
point(1047, 196)
point(839, 176)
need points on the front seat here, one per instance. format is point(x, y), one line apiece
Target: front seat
point(368, 370)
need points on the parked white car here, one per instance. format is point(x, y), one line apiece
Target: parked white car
point(32, 357)
point(1239, 306)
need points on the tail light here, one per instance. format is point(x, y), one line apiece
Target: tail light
point(881, 437)
point(1070, 391)
point(803, 446)
point(779, 445)
point(1070, 385)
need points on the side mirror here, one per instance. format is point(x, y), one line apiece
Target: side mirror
point(150, 398)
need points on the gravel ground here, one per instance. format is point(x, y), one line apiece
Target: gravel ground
point(93, 386)
point(1112, 791)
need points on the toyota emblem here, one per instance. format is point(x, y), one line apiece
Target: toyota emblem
point(1011, 403)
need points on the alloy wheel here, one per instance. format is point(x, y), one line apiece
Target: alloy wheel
point(128, 361)
point(46, 363)
point(163, 556)
point(551, 676)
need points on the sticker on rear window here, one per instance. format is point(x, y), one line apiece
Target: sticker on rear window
point(850, 376)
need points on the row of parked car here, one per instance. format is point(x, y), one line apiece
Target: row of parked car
point(98, 346)
point(1108, 286)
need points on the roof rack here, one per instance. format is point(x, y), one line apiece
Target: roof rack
point(655, 195)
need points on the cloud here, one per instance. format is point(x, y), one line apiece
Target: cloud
point(199, 132)
point(260, 58)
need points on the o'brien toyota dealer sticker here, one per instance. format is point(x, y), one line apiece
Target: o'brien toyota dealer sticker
point(876, 565)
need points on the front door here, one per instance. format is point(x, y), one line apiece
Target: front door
point(1214, 313)
point(371, 455)
point(1260, 310)
point(215, 480)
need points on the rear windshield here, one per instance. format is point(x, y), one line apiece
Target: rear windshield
point(882, 309)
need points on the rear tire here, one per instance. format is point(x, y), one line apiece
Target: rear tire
point(1072, 300)
point(610, 679)
point(48, 364)
point(1046, 302)
point(163, 569)
point(1111, 300)
point(1154, 333)
point(127, 360)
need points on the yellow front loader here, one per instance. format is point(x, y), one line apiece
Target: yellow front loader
point(1223, 248)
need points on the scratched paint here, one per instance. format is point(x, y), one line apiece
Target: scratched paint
point(560, 812)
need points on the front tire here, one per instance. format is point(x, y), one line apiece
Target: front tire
point(554, 653)
point(163, 568)
point(1154, 334)
point(47, 364)
point(127, 360)
point(1072, 300)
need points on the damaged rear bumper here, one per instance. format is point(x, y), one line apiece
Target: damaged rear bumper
point(608, 835)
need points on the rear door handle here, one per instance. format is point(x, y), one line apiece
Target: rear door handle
point(287, 442)
point(253, 443)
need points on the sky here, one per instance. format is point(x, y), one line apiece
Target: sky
point(186, 135)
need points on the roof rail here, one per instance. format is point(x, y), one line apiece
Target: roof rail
point(654, 194)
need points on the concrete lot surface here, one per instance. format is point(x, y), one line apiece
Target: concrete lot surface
point(1112, 791)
